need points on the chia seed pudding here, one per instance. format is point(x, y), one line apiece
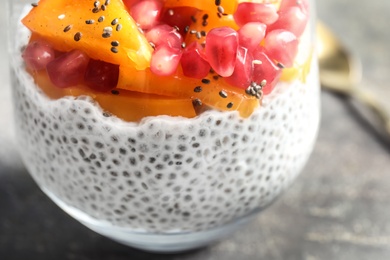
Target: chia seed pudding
point(163, 174)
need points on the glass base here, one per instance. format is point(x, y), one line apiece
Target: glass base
point(158, 243)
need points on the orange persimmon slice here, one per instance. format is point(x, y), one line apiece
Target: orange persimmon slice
point(78, 24)
point(228, 6)
point(127, 105)
point(212, 91)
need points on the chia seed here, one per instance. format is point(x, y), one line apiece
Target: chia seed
point(198, 89)
point(223, 94)
point(95, 10)
point(77, 36)
point(197, 102)
point(67, 28)
point(206, 81)
point(115, 21)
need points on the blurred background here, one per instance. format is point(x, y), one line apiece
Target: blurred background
point(337, 209)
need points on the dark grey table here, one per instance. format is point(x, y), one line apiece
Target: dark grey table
point(337, 209)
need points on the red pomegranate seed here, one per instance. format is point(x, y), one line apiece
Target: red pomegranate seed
point(304, 5)
point(101, 76)
point(179, 17)
point(265, 71)
point(146, 13)
point(243, 70)
point(255, 12)
point(251, 34)
point(292, 19)
point(37, 55)
point(68, 69)
point(164, 34)
point(282, 47)
point(193, 61)
point(165, 60)
point(221, 50)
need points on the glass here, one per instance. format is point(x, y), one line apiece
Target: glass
point(178, 155)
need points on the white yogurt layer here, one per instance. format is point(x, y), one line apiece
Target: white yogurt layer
point(164, 174)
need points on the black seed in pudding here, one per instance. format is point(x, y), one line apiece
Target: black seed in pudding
point(81, 152)
point(115, 92)
point(229, 105)
point(106, 114)
point(217, 2)
point(99, 145)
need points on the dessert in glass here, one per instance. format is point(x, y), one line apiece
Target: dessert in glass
point(164, 124)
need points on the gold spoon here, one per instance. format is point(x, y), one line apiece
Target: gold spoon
point(340, 72)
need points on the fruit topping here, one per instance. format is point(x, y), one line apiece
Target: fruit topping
point(205, 91)
point(302, 4)
point(243, 69)
point(282, 47)
point(68, 69)
point(221, 50)
point(146, 13)
point(37, 55)
point(230, 53)
point(292, 19)
point(265, 72)
point(180, 17)
point(165, 60)
point(255, 12)
point(127, 105)
point(164, 34)
point(218, 6)
point(194, 63)
point(75, 24)
point(251, 34)
point(101, 76)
